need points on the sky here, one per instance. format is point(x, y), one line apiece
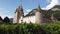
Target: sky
point(8, 7)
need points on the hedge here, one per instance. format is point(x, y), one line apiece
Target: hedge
point(30, 28)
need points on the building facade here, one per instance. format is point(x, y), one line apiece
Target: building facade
point(37, 17)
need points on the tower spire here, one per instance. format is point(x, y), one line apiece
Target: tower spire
point(20, 6)
point(39, 9)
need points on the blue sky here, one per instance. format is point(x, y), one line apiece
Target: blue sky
point(7, 7)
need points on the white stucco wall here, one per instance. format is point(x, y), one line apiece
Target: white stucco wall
point(15, 18)
point(39, 17)
point(21, 18)
point(28, 19)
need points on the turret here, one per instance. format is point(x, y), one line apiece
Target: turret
point(20, 8)
point(39, 9)
point(38, 15)
point(21, 14)
point(18, 14)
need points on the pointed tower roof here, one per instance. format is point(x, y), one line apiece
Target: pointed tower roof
point(20, 8)
point(39, 9)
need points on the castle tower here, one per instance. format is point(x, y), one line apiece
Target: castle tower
point(38, 15)
point(18, 14)
point(21, 14)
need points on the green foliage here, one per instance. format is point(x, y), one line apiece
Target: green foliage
point(52, 28)
point(22, 28)
point(47, 14)
point(6, 20)
point(1, 18)
point(30, 28)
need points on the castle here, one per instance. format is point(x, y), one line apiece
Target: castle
point(37, 17)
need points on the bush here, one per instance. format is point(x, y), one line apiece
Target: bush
point(30, 28)
point(23, 28)
point(52, 28)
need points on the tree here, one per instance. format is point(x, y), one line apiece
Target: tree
point(1, 20)
point(6, 20)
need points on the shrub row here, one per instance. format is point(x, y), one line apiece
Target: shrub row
point(51, 28)
point(25, 28)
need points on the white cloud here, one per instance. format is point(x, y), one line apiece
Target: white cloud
point(52, 3)
point(27, 11)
